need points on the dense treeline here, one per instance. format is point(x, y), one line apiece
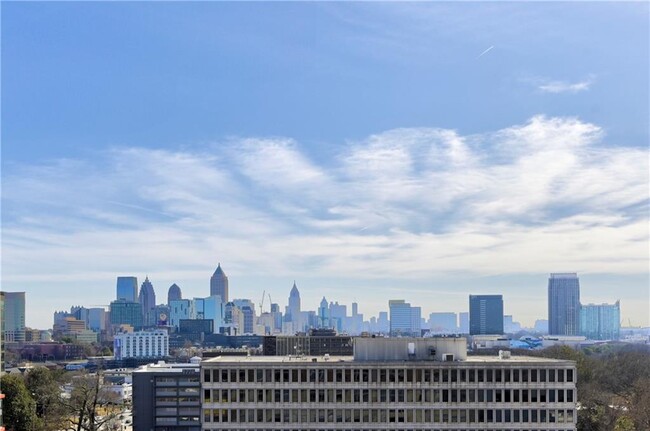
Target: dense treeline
point(613, 385)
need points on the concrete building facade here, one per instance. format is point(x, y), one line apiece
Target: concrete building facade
point(389, 384)
point(166, 397)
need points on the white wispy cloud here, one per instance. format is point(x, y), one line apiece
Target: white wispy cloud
point(557, 87)
point(406, 203)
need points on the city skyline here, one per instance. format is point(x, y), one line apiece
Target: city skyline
point(285, 304)
point(368, 151)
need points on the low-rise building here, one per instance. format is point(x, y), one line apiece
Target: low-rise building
point(390, 384)
point(167, 397)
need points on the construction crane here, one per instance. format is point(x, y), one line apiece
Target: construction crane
point(262, 302)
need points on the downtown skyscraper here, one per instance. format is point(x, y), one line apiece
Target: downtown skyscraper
point(219, 284)
point(564, 304)
point(127, 289)
point(485, 314)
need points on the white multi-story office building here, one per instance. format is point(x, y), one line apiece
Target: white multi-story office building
point(389, 384)
point(141, 344)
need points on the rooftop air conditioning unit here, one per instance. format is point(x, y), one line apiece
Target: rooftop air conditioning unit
point(448, 357)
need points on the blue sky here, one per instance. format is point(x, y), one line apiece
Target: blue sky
point(370, 151)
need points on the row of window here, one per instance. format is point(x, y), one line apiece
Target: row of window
point(225, 427)
point(171, 391)
point(388, 395)
point(178, 401)
point(177, 420)
point(388, 415)
point(387, 375)
point(181, 380)
point(174, 411)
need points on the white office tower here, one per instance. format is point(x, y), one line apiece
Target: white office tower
point(389, 384)
point(141, 344)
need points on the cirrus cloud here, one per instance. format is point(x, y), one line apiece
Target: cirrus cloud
point(403, 204)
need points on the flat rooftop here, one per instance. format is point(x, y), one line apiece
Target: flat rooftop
point(338, 359)
point(167, 368)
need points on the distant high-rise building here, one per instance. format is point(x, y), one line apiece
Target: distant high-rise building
point(383, 324)
point(323, 314)
point(541, 326)
point(174, 293)
point(96, 319)
point(485, 314)
point(404, 319)
point(148, 302)
point(14, 316)
point(463, 322)
point(601, 321)
point(509, 325)
point(233, 319)
point(219, 284)
point(248, 310)
point(181, 309)
point(442, 323)
point(123, 312)
point(293, 309)
point(127, 289)
point(564, 304)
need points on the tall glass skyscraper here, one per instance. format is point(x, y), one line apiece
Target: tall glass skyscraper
point(219, 284)
point(564, 304)
point(485, 314)
point(600, 321)
point(124, 312)
point(13, 316)
point(127, 289)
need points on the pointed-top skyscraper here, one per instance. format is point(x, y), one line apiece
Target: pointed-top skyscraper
point(219, 284)
point(323, 313)
point(293, 309)
point(174, 293)
point(147, 301)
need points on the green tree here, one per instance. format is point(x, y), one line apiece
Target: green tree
point(44, 386)
point(19, 408)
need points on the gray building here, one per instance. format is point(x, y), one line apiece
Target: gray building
point(389, 384)
point(166, 397)
point(564, 304)
point(219, 284)
point(485, 314)
point(443, 323)
point(127, 289)
point(148, 302)
point(404, 319)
